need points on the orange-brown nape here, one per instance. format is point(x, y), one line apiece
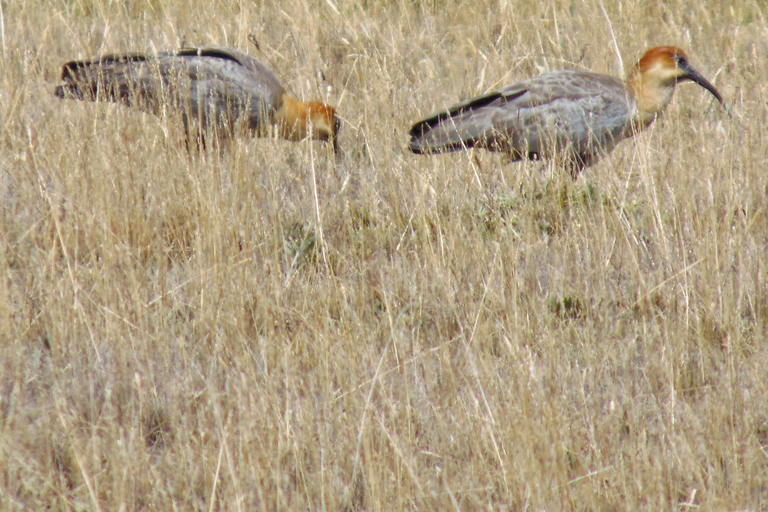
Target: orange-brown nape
point(299, 120)
point(653, 80)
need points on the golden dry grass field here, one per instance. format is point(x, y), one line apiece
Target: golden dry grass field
point(263, 327)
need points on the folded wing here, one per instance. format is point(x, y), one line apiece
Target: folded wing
point(580, 113)
point(211, 84)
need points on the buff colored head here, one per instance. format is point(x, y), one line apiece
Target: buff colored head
point(325, 123)
point(666, 66)
point(299, 120)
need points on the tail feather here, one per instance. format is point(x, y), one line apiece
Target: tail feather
point(459, 127)
point(454, 133)
point(69, 91)
point(464, 125)
point(107, 78)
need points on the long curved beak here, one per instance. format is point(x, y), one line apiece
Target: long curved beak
point(335, 136)
point(694, 76)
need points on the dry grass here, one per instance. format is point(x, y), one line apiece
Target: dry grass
point(263, 328)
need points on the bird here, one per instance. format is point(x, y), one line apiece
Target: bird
point(218, 87)
point(577, 116)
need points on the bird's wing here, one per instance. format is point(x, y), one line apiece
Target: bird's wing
point(536, 116)
point(213, 84)
point(567, 110)
point(454, 111)
point(226, 67)
point(118, 78)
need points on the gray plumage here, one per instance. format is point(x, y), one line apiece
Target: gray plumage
point(216, 86)
point(579, 115)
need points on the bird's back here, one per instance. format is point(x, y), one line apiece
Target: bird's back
point(211, 84)
point(578, 112)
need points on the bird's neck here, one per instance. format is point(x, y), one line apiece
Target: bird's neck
point(292, 118)
point(651, 95)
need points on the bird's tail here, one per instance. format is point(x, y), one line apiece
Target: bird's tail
point(108, 78)
point(460, 127)
point(451, 134)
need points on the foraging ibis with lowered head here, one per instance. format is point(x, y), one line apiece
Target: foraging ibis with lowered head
point(216, 86)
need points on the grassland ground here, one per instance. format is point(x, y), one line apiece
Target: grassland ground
point(266, 327)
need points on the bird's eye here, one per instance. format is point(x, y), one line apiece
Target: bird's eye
point(682, 62)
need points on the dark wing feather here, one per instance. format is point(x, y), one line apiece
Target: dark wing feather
point(439, 133)
point(84, 80)
point(215, 85)
point(577, 111)
point(425, 125)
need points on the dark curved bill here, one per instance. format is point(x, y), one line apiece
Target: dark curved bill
point(335, 137)
point(335, 146)
point(694, 76)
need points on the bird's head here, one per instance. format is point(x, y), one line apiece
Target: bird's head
point(299, 120)
point(667, 66)
point(656, 74)
point(325, 123)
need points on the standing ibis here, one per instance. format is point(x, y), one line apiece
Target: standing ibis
point(577, 115)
